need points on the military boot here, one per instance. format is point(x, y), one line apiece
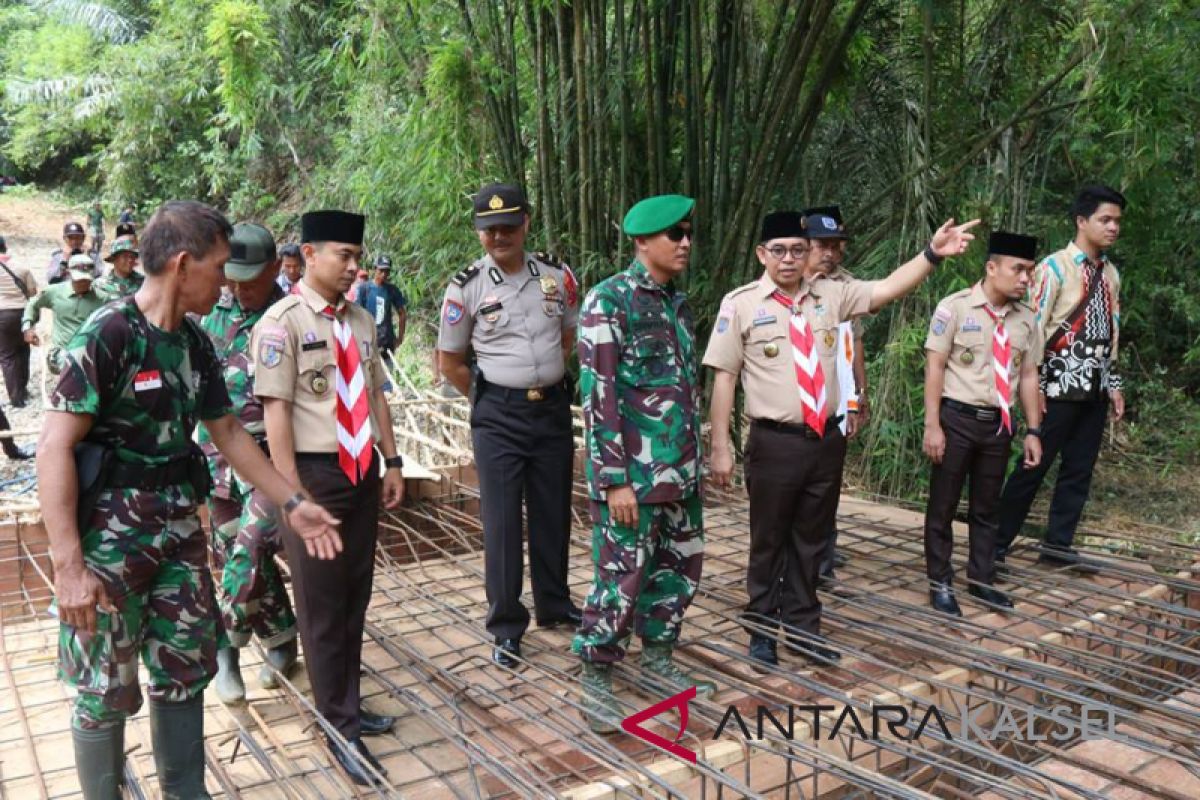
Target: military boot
point(228, 683)
point(600, 708)
point(661, 673)
point(177, 731)
point(100, 761)
point(282, 658)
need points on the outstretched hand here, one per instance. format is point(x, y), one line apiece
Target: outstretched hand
point(952, 240)
point(317, 528)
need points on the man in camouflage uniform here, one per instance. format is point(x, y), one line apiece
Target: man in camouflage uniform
point(641, 404)
point(121, 280)
point(133, 578)
point(252, 596)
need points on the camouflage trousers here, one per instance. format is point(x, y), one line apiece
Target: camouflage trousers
point(149, 551)
point(252, 597)
point(645, 577)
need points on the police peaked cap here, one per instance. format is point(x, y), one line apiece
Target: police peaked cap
point(332, 226)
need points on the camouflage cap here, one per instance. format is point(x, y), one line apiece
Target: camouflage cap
point(251, 249)
point(123, 245)
point(656, 214)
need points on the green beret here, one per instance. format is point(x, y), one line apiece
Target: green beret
point(656, 214)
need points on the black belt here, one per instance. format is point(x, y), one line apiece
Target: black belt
point(981, 413)
point(796, 430)
point(327, 458)
point(148, 477)
point(535, 394)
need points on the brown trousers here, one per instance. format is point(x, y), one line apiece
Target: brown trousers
point(793, 483)
point(974, 449)
point(332, 596)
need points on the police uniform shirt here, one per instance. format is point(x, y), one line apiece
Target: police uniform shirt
point(751, 338)
point(962, 329)
point(514, 322)
point(293, 351)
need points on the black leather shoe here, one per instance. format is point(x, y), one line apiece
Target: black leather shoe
point(504, 651)
point(762, 650)
point(572, 617)
point(18, 453)
point(374, 724)
point(941, 597)
point(351, 766)
point(991, 596)
point(1065, 557)
point(815, 652)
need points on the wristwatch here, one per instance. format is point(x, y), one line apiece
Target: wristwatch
point(933, 257)
point(395, 462)
point(1034, 432)
point(292, 503)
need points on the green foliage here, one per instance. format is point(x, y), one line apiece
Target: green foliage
point(245, 52)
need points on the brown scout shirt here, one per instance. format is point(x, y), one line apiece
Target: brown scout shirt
point(962, 328)
point(293, 359)
point(751, 338)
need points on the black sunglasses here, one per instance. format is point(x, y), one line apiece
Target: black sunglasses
point(676, 233)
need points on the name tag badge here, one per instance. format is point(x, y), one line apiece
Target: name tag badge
point(319, 345)
point(768, 320)
point(147, 380)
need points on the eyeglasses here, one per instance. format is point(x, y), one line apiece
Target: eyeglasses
point(779, 251)
point(676, 233)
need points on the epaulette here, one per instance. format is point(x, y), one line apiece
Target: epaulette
point(742, 289)
point(463, 278)
point(549, 258)
point(281, 307)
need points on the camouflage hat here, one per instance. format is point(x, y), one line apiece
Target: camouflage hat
point(252, 248)
point(656, 214)
point(123, 245)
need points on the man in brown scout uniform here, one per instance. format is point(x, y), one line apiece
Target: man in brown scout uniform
point(983, 348)
point(779, 334)
point(318, 373)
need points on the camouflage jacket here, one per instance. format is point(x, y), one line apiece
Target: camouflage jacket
point(146, 387)
point(639, 381)
point(113, 287)
point(229, 326)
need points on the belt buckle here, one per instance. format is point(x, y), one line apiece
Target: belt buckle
point(987, 415)
point(534, 395)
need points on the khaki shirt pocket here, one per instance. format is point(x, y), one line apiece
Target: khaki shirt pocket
point(971, 349)
point(316, 373)
point(766, 346)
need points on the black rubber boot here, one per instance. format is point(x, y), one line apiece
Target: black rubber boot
point(100, 761)
point(177, 730)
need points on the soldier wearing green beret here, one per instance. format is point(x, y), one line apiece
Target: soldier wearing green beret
point(640, 387)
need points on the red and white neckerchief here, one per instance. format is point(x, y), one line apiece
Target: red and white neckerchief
point(353, 412)
point(1001, 364)
point(810, 377)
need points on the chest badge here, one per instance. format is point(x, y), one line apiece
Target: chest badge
point(770, 349)
point(320, 384)
point(830, 340)
point(1017, 359)
point(549, 285)
point(967, 357)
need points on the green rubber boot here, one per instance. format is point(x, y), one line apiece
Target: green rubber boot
point(177, 730)
point(600, 708)
point(661, 673)
point(100, 761)
point(228, 683)
point(283, 659)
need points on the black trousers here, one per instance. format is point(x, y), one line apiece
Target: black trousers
point(524, 454)
point(975, 451)
point(14, 356)
point(332, 596)
point(1075, 429)
point(794, 483)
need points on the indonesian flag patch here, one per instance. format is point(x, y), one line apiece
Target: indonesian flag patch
point(147, 380)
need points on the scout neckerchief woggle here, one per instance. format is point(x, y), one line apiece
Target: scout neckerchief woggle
point(810, 378)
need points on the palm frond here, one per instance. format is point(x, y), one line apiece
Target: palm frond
point(103, 20)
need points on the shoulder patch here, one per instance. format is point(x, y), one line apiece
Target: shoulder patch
point(466, 276)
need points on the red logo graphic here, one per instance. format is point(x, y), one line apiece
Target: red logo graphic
point(633, 724)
